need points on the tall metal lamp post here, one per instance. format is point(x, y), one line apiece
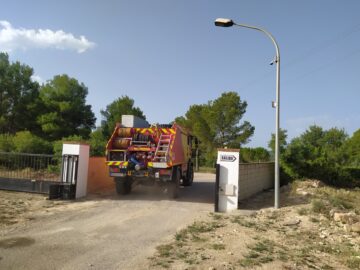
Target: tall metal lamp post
point(228, 23)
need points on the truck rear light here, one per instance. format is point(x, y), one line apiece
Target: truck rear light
point(114, 169)
point(165, 172)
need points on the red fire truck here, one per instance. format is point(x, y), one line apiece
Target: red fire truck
point(155, 154)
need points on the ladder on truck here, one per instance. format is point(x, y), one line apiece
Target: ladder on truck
point(162, 149)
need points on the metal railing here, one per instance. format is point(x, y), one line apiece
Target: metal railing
point(30, 166)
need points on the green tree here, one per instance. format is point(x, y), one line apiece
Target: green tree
point(65, 111)
point(223, 116)
point(97, 142)
point(25, 142)
point(217, 124)
point(18, 97)
point(113, 112)
point(352, 148)
point(7, 142)
point(282, 141)
point(195, 120)
point(258, 154)
point(317, 153)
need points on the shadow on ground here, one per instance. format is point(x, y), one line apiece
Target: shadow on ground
point(199, 192)
point(265, 199)
point(203, 191)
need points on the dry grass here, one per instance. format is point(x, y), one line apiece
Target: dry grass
point(263, 241)
point(29, 173)
point(16, 207)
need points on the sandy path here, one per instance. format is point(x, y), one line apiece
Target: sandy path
point(104, 232)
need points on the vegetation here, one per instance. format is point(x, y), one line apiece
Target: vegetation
point(97, 142)
point(65, 112)
point(325, 155)
point(258, 154)
point(19, 97)
point(112, 114)
point(217, 125)
point(25, 142)
point(38, 118)
point(282, 141)
point(352, 148)
point(185, 238)
point(269, 238)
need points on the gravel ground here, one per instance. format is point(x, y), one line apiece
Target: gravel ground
point(105, 231)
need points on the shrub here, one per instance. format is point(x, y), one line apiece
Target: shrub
point(97, 143)
point(25, 142)
point(319, 154)
point(57, 145)
point(258, 154)
point(6, 143)
point(319, 206)
point(354, 174)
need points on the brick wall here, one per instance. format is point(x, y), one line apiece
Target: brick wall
point(98, 176)
point(254, 178)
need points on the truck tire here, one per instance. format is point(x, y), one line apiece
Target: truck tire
point(175, 183)
point(123, 185)
point(189, 177)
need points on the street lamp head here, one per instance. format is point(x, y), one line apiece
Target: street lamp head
point(224, 22)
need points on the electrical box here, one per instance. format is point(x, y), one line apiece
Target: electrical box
point(227, 190)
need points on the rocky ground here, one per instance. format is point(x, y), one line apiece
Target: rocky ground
point(318, 227)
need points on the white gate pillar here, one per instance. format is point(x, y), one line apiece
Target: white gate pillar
point(228, 189)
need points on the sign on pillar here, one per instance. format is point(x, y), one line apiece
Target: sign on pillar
point(228, 159)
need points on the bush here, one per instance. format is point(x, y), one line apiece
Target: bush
point(354, 175)
point(25, 142)
point(97, 143)
point(57, 145)
point(57, 150)
point(258, 154)
point(319, 206)
point(318, 154)
point(6, 143)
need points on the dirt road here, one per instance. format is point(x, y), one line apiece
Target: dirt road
point(104, 231)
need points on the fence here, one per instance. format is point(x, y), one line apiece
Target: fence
point(29, 166)
point(254, 178)
point(28, 172)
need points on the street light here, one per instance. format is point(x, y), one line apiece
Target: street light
point(228, 23)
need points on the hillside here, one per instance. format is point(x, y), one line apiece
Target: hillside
point(318, 227)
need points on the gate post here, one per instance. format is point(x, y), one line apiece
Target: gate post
point(228, 183)
point(75, 167)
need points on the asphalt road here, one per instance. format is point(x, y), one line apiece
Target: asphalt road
point(104, 231)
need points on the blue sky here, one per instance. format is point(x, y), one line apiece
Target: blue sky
point(167, 55)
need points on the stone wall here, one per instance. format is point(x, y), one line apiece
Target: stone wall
point(98, 176)
point(254, 178)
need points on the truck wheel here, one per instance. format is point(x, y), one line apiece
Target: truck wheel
point(189, 177)
point(175, 183)
point(123, 185)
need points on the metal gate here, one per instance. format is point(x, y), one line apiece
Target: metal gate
point(29, 172)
